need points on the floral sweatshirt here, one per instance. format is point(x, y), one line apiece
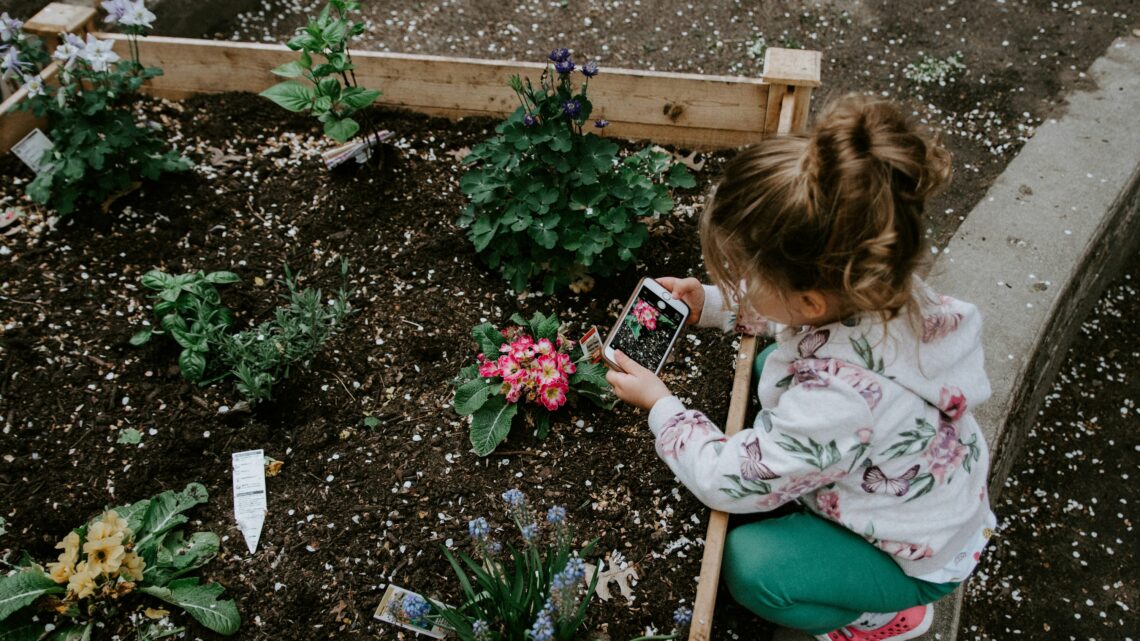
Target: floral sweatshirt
point(871, 431)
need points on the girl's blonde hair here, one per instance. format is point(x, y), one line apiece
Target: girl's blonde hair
point(838, 209)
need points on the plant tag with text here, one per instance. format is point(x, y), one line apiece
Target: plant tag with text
point(250, 505)
point(391, 610)
point(32, 148)
point(592, 344)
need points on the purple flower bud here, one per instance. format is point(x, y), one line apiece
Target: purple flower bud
point(558, 55)
point(590, 69)
point(564, 66)
point(571, 108)
point(529, 120)
point(601, 123)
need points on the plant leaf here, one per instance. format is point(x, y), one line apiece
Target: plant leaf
point(341, 130)
point(290, 95)
point(222, 278)
point(291, 69)
point(165, 512)
point(200, 602)
point(490, 425)
point(470, 396)
point(20, 589)
point(192, 363)
point(142, 337)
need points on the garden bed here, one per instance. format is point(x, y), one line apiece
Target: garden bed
point(354, 507)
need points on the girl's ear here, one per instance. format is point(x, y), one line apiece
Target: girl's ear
point(813, 305)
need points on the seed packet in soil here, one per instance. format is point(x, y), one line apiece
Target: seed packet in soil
point(358, 150)
point(32, 148)
point(394, 608)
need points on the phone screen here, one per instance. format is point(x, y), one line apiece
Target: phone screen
point(648, 329)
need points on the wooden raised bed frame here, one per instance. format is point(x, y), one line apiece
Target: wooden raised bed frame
point(686, 110)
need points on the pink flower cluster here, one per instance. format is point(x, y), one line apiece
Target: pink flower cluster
point(645, 314)
point(536, 371)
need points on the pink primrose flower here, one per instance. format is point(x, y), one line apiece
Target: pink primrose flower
point(522, 349)
point(952, 403)
point(828, 504)
point(566, 365)
point(547, 371)
point(945, 453)
point(645, 315)
point(544, 346)
point(508, 367)
point(488, 369)
point(553, 396)
point(514, 390)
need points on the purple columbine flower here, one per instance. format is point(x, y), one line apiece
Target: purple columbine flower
point(601, 123)
point(590, 69)
point(571, 108)
point(564, 66)
point(558, 55)
point(11, 63)
point(529, 120)
point(10, 28)
point(115, 10)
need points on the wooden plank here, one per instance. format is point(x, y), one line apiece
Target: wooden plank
point(798, 67)
point(802, 104)
point(776, 95)
point(57, 18)
point(684, 109)
point(705, 603)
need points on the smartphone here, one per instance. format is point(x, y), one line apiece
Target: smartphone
point(647, 328)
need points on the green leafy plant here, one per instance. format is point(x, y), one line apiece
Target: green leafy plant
point(190, 309)
point(137, 548)
point(525, 365)
point(931, 70)
point(551, 203)
point(532, 592)
point(100, 149)
point(334, 97)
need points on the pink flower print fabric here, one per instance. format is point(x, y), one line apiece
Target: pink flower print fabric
point(904, 550)
point(946, 452)
point(797, 486)
point(680, 430)
point(828, 504)
point(941, 323)
point(952, 403)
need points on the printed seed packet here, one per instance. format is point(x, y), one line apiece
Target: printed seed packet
point(409, 611)
point(592, 344)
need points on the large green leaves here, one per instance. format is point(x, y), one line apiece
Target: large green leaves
point(471, 396)
point(163, 513)
point(291, 95)
point(22, 588)
point(491, 424)
point(200, 602)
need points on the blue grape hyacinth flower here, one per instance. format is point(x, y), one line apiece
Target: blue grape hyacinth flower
point(556, 515)
point(478, 528)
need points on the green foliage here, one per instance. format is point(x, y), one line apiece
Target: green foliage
point(100, 150)
point(150, 536)
point(550, 203)
point(931, 70)
point(508, 593)
point(332, 94)
point(527, 365)
point(190, 309)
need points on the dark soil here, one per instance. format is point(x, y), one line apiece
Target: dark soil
point(353, 508)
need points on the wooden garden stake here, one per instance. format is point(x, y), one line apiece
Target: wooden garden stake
point(791, 74)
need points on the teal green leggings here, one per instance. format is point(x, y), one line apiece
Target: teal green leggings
point(805, 572)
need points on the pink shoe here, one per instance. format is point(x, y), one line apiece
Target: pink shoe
point(908, 624)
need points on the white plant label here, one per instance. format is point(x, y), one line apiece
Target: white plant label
point(31, 149)
point(250, 505)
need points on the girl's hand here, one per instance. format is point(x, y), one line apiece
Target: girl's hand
point(689, 292)
point(636, 385)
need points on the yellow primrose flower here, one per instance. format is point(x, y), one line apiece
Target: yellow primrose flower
point(133, 566)
point(104, 556)
point(116, 522)
point(60, 572)
point(82, 581)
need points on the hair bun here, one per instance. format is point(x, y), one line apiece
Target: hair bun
point(857, 128)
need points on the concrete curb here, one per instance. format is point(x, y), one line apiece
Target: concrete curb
point(1038, 251)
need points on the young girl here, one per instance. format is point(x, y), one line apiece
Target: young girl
point(865, 393)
